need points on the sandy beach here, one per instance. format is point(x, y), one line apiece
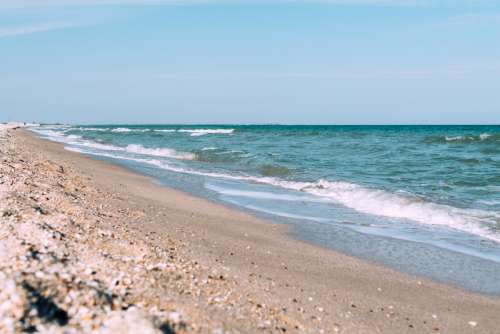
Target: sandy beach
point(88, 246)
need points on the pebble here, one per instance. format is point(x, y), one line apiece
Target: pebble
point(472, 323)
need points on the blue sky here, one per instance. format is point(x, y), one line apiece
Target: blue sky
point(335, 62)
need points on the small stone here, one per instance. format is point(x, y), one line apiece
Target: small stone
point(175, 317)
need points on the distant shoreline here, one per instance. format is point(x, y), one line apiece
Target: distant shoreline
point(261, 124)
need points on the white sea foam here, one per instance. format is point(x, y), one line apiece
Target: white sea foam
point(383, 203)
point(74, 137)
point(138, 149)
point(481, 137)
point(121, 130)
point(49, 126)
point(95, 145)
point(76, 140)
point(125, 130)
point(376, 202)
point(92, 129)
point(484, 136)
point(51, 134)
point(160, 152)
point(202, 132)
point(264, 195)
point(192, 132)
point(456, 138)
point(209, 148)
point(283, 214)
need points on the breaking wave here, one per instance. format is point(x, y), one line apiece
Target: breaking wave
point(129, 130)
point(481, 138)
point(132, 148)
point(160, 152)
point(373, 201)
point(192, 132)
point(202, 132)
point(366, 200)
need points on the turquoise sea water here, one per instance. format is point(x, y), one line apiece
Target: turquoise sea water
point(422, 199)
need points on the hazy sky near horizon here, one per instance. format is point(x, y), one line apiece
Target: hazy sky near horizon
point(330, 61)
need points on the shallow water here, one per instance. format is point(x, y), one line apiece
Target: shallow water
point(423, 199)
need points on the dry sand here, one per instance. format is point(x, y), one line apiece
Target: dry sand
point(87, 246)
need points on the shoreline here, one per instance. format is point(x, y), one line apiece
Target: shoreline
point(447, 256)
point(289, 283)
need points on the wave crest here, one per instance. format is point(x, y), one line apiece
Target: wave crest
point(202, 132)
point(481, 138)
point(160, 152)
point(121, 130)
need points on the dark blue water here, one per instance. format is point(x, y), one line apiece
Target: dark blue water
point(423, 199)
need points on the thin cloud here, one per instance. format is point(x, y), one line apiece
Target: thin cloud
point(33, 29)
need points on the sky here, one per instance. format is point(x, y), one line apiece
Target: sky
point(289, 62)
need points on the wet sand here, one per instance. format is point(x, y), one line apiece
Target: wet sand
point(226, 271)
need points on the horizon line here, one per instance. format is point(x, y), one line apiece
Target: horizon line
point(256, 124)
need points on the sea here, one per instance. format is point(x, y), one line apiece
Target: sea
point(424, 200)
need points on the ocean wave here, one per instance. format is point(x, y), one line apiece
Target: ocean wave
point(202, 132)
point(49, 132)
point(122, 130)
point(49, 126)
point(376, 202)
point(160, 152)
point(91, 129)
point(96, 145)
point(484, 136)
point(192, 132)
point(383, 203)
point(115, 130)
point(265, 195)
point(78, 141)
point(138, 149)
point(74, 137)
point(282, 213)
point(373, 201)
point(481, 138)
point(457, 138)
point(360, 198)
